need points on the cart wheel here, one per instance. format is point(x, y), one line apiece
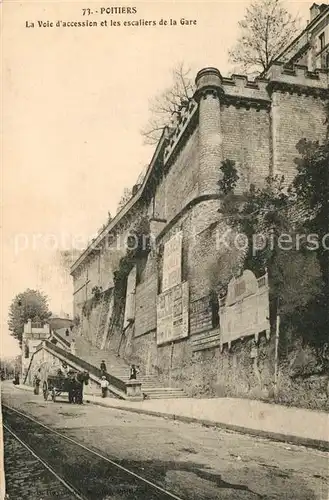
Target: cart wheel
point(53, 395)
point(45, 390)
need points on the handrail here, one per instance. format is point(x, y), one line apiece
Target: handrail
point(60, 338)
point(97, 372)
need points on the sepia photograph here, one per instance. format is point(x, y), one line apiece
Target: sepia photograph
point(164, 250)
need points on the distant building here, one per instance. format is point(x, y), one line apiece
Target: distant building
point(62, 321)
point(33, 335)
point(311, 47)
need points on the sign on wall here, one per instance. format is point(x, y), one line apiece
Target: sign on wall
point(200, 315)
point(246, 309)
point(172, 262)
point(173, 314)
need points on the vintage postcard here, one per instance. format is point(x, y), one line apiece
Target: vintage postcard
point(165, 250)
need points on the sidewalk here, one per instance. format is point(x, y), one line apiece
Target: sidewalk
point(293, 425)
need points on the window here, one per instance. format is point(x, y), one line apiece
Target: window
point(327, 61)
point(322, 41)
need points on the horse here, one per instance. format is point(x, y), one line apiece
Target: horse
point(76, 382)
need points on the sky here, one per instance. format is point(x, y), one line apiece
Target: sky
point(74, 101)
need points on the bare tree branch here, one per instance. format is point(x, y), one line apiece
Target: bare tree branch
point(168, 104)
point(265, 31)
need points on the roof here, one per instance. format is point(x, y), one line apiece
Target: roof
point(56, 322)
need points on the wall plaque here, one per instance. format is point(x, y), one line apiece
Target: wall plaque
point(173, 314)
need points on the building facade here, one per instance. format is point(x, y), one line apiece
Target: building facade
point(311, 47)
point(33, 335)
point(169, 316)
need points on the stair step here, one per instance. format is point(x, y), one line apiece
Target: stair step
point(119, 369)
point(169, 396)
point(168, 389)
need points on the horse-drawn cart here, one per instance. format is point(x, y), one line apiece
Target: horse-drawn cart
point(55, 385)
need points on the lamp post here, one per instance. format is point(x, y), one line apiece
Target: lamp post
point(276, 351)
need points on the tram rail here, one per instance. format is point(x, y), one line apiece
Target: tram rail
point(64, 483)
point(107, 478)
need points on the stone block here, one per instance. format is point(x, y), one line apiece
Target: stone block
point(134, 390)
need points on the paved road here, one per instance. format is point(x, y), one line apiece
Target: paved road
point(192, 461)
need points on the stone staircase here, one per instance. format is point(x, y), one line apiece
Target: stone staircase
point(117, 367)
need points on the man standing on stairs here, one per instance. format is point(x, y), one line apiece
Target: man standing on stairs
point(133, 372)
point(103, 367)
point(104, 386)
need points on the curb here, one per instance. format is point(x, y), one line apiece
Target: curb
point(274, 436)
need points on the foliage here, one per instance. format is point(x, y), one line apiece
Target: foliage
point(168, 103)
point(267, 218)
point(267, 28)
point(311, 188)
point(127, 194)
point(76, 320)
point(230, 177)
point(97, 292)
point(30, 304)
point(91, 303)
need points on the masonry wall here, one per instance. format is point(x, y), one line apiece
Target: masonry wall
point(246, 140)
point(294, 117)
point(258, 141)
point(181, 181)
point(206, 264)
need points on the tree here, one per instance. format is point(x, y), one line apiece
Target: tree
point(265, 31)
point(127, 194)
point(30, 304)
point(311, 188)
point(168, 104)
point(267, 218)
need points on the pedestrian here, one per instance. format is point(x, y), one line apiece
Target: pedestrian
point(133, 372)
point(72, 386)
point(73, 350)
point(103, 367)
point(36, 384)
point(80, 378)
point(65, 369)
point(104, 386)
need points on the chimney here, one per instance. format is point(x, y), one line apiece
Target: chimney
point(314, 11)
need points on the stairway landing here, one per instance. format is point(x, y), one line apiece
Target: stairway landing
point(116, 366)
